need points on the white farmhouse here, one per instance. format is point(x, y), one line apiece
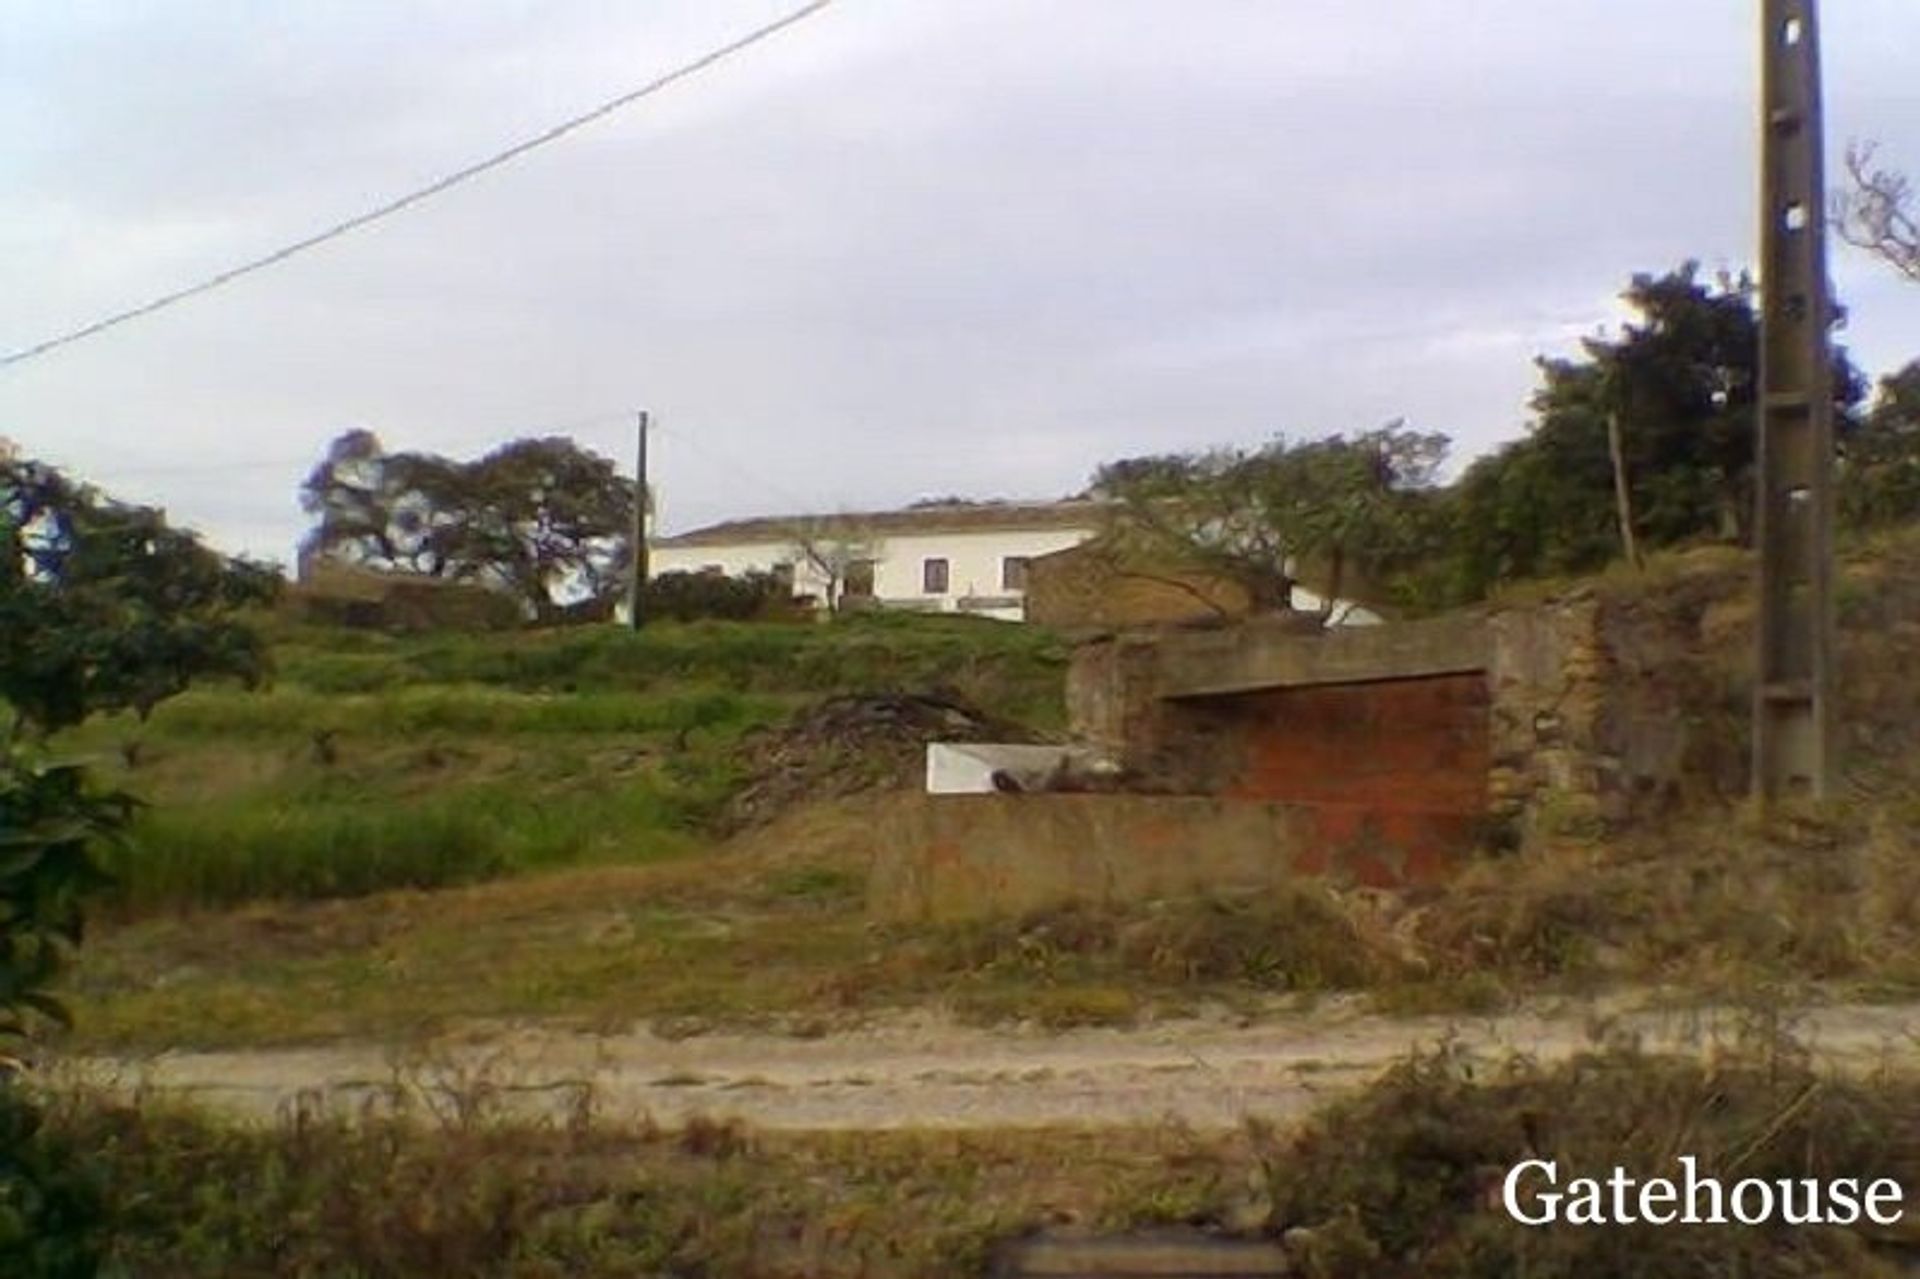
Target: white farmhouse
point(945, 557)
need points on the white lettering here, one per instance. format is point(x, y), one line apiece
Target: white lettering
point(1584, 1206)
point(1760, 1214)
point(1718, 1216)
point(1844, 1195)
point(1808, 1214)
point(1887, 1191)
point(1509, 1193)
point(1663, 1190)
point(1533, 1195)
point(1619, 1184)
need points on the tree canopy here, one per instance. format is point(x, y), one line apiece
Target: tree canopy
point(103, 607)
point(543, 519)
point(1880, 472)
point(1675, 387)
point(1343, 506)
point(1678, 384)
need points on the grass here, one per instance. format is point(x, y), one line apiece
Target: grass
point(1014, 671)
point(321, 844)
point(1398, 1178)
point(773, 936)
point(403, 1193)
point(772, 933)
point(382, 762)
point(1401, 1178)
point(451, 709)
point(621, 910)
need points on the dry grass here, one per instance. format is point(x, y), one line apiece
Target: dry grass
point(1405, 1178)
point(773, 934)
point(1397, 1179)
point(463, 1193)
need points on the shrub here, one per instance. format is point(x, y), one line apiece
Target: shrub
point(689, 597)
point(1406, 1177)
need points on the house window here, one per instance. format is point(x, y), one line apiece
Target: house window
point(933, 576)
point(1013, 573)
point(858, 580)
point(782, 575)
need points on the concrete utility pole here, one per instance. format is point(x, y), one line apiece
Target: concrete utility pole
point(637, 582)
point(1793, 704)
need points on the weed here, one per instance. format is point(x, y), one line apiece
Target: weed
point(384, 1193)
point(1409, 1173)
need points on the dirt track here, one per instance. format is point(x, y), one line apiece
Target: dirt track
point(920, 1072)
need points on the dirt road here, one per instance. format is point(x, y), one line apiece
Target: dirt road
point(922, 1072)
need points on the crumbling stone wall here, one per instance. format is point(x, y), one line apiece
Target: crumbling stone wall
point(1592, 708)
point(1610, 706)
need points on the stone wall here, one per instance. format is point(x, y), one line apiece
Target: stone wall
point(1609, 707)
point(1095, 586)
point(1592, 707)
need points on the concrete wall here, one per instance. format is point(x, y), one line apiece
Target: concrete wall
point(954, 857)
point(1590, 707)
point(967, 768)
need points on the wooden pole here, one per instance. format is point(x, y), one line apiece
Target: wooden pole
point(1622, 495)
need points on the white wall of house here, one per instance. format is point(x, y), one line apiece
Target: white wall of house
point(976, 578)
point(975, 568)
point(744, 557)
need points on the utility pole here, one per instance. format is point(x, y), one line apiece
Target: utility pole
point(1793, 703)
point(636, 583)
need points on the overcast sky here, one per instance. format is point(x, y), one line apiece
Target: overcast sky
point(909, 247)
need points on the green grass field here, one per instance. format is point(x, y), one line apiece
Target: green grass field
point(375, 762)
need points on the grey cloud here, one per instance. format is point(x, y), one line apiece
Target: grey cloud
point(908, 248)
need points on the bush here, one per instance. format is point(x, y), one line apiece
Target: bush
point(1298, 938)
point(689, 597)
point(53, 1210)
point(1406, 1177)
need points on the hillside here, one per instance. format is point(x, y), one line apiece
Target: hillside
point(374, 762)
point(456, 908)
point(550, 807)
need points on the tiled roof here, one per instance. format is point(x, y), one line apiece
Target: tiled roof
point(946, 518)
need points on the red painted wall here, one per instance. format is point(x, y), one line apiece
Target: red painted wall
point(1393, 773)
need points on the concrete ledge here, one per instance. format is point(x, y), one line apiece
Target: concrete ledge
point(1251, 657)
point(946, 858)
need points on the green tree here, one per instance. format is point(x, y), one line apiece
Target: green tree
point(545, 518)
point(384, 510)
point(103, 607)
point(1678, 384)
point(542, 519)
point(1880, 471)
point(1340, 508)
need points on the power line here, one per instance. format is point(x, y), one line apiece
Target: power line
point(493, 438)
point(413, 197)
point(730, 463)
